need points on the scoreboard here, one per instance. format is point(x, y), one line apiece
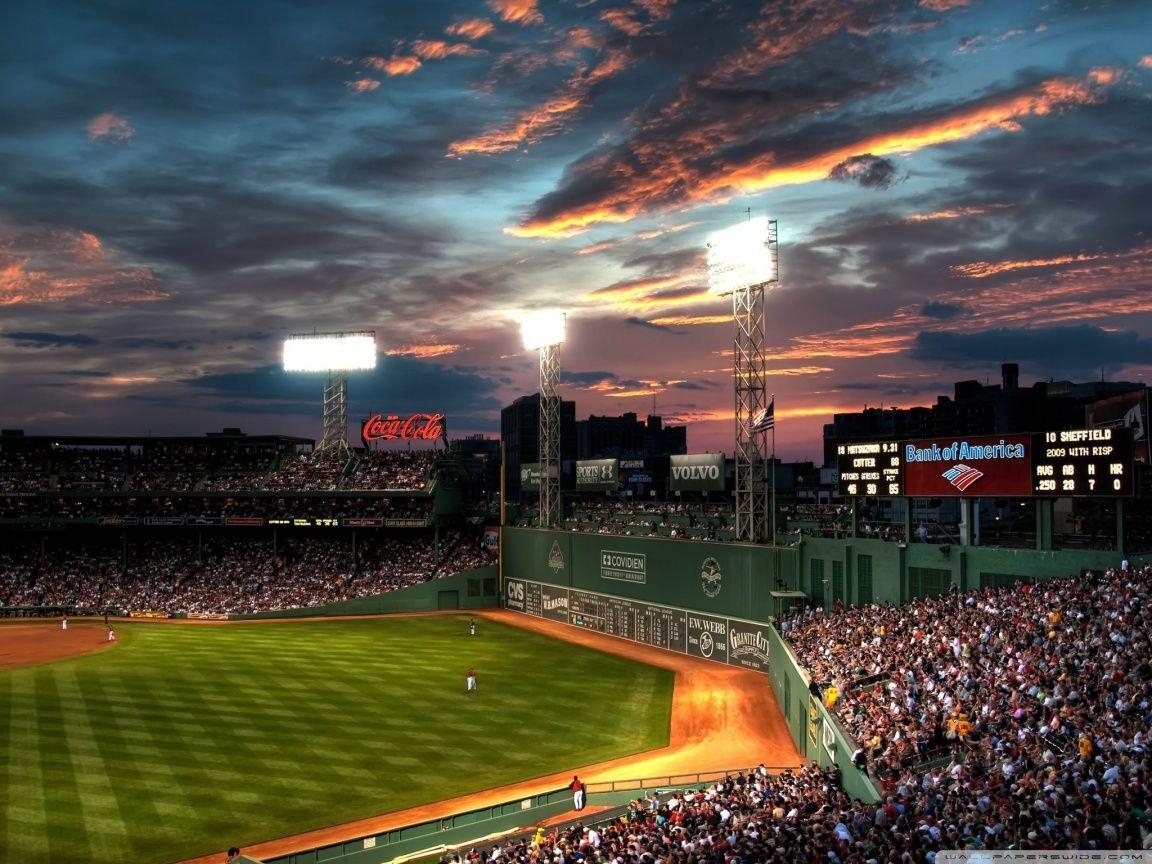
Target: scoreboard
point(734, 641)
point(1071, 463)
point(870, 468)
point(1084, 463)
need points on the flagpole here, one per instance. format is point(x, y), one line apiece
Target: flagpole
point(772, 402)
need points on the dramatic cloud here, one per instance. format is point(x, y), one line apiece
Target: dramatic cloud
point(655, 173)
point(869, 171)
point(547, 119)
point(55, 265)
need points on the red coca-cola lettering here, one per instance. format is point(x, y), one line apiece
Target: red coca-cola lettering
point(415, 427)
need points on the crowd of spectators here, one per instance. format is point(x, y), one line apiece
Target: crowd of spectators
point(228, 573)
point(653, 519)
point(393, 469)
point(161, 468)
point(803, 816)
point(1039, 695)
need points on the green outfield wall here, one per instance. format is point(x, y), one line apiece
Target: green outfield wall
point(723, 579)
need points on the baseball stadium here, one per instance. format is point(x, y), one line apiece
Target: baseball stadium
point(256, 649)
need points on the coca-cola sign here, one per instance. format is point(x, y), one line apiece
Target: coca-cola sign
point(414, 427)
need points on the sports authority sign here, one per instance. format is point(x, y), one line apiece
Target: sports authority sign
point(974, 467)
point(697, 472)
point(597, 475)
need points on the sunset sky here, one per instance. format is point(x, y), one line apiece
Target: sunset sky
point(957, 184)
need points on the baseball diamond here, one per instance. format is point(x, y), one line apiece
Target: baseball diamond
point(179, 739)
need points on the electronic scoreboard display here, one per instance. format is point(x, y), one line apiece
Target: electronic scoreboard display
point(870, 468)
point(1083, 463)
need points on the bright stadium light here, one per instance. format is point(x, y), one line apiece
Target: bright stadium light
point(742, 264)
point(337, 354)
point(541, 329)
point(741, 257)
point(330, 352)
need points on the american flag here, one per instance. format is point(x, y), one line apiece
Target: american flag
point(765, 418)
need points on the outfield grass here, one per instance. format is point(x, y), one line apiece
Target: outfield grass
point(184, 739)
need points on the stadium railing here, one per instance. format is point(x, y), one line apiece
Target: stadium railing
point(497, 820)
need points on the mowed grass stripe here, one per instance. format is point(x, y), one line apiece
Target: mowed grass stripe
point(271, 729)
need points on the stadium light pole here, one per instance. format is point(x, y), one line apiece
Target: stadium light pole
point(743, 261)
point(337, 354)
point(544, 332)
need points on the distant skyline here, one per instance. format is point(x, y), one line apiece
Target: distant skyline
point(957, 183)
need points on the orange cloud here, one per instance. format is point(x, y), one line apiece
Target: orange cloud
point(433, 350)
point(1104, 76)
point(984, 269)
point(517, 11)
point(691, 320)
point(394, 65)
point(110, 127)
point(1093, 288)
point(1145, 62)
point(958, 213)
point(363, 85)
point(543, 121)
point(39, 266)
point(943, 5)
point(677, 171)
point(624, 20)
point(472, 28)
point(436, 49)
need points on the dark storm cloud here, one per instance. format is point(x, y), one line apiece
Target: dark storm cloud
point(1080, 351)
point(586, 379)
point(871, 172)
point(148, 342)
point(940, 310)
point(51, 340)
point(633, 321)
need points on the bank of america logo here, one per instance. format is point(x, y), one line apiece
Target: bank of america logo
point(962, 476)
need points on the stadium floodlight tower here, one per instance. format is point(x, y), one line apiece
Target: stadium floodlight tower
point(337, 354)
point(544, 332)
point(743, 261)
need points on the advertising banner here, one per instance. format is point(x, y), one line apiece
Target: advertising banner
point(530, 477)
point(748, 645)
point(624, 566)
point(362, 522)
point(597, 475)
point(708, 637)
point(697, 472)
point(491, 540)
point(975, 466)
point(554, 603)
point(392, 427)
point(244, 521)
